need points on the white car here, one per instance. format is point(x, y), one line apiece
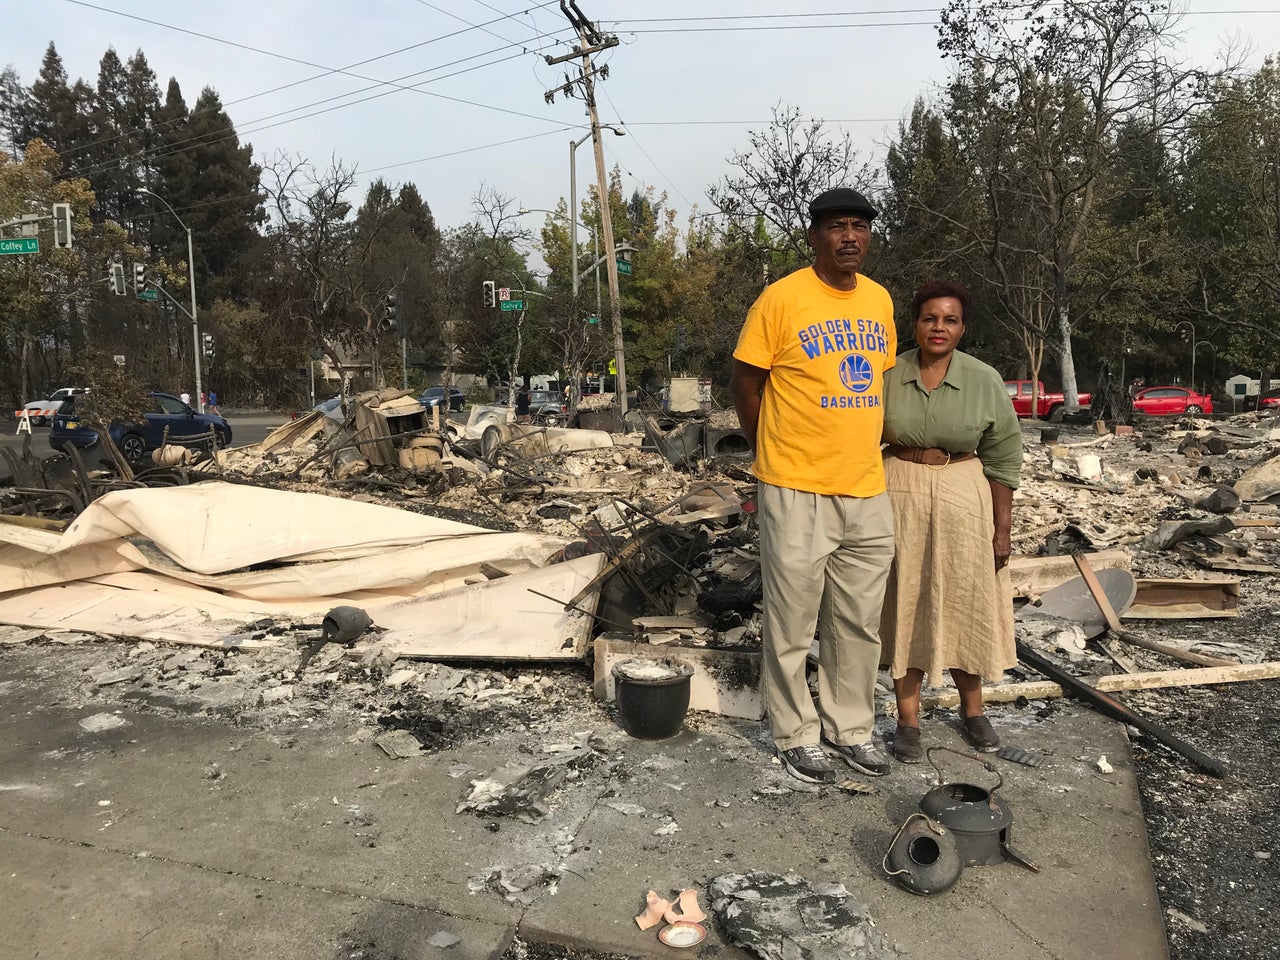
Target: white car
point(43, 411)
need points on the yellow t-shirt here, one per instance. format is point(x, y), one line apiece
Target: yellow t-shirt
point(826, 351)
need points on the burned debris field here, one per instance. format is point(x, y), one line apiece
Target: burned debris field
point(467, 725)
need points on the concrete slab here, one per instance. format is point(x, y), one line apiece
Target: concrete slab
point(67, 901)
point(337, 838)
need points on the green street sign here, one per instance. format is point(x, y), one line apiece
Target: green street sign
point(21, 245)
point(624, 268)
point(593, 319)
point(148, 295)
point(509, 305)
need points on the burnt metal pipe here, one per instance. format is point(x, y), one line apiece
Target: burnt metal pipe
point(1113, 708)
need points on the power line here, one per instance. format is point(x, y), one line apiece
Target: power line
point(204, 204)
point(326, 73)
point(873, 13)
point(307, 63)
point(776, 26)
point(640, 147)
point(212, 137)
point(743, 123)
point(457, 153)
point(779, 16)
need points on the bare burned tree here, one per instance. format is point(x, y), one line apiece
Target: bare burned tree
point(496, 215)
point(325, 265)
point(787, 165)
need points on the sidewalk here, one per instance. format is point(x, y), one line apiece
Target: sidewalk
point(306, 841)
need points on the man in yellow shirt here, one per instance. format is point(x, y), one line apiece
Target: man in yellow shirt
point(808, 373)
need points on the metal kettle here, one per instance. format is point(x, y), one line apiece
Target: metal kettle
point(980, 821)
point(923, 856)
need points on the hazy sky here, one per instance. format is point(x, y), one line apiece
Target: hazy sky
point(688, 80)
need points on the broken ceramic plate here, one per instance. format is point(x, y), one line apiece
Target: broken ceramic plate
point(683, 933)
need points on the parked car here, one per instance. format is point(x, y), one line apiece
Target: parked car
point(434, 397)
point(1269, 400)
point(1171, 401)
point(136, 440)
point(43, 411)
point(1049, 406)
point(545, 406)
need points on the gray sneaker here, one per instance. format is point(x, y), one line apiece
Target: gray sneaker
point(808, 763)
point(865, 758)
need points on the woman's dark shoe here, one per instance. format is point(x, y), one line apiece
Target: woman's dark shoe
point(979, 732)
point(906, 745)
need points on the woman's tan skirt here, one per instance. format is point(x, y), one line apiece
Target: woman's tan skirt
point(945, 605)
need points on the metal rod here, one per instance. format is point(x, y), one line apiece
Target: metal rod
point(1113, 708)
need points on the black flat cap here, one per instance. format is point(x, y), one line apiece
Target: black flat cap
point(841, 200)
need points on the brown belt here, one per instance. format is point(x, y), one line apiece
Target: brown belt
point(929, 456)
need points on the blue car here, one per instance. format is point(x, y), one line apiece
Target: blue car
point(136, 440)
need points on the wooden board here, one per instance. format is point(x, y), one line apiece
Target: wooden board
point(1033, 576)
point(1155, 680)
point(726, 682)
point(1173, 599)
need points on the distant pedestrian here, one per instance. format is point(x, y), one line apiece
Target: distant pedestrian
point(185, 397)
point(522, 405)
point(213, 403)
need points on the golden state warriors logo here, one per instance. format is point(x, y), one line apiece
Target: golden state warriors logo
point(856, 373)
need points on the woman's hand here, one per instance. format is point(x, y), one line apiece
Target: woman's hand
point(1001, 547)
point(1002, 516)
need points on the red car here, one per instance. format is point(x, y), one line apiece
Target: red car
point(1171, 401)
point(1269, 400)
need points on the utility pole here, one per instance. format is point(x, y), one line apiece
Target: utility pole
point(592, 41)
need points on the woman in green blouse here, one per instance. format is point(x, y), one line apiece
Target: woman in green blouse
point(952, 464)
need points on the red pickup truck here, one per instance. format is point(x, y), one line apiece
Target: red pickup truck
point(1049, 406)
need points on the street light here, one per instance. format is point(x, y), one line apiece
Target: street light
point(191, 279)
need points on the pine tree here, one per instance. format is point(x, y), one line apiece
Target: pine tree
point(54, 106)
point(111, 152)
point(15, 112)
point(173, 172)
point(225, 201)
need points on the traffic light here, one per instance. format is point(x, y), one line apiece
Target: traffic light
point(390, 322)
point(62, 225)
point(117, 280)
point(139, 277)
point(206, 341)
point(490, 294)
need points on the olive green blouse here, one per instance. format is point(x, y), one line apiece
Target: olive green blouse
point(970, 410)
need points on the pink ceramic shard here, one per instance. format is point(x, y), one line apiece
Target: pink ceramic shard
point(654, 912)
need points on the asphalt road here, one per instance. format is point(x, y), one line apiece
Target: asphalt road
point(246, 428)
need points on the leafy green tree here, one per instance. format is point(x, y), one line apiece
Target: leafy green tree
point(1229, 218)
point(1041, 94)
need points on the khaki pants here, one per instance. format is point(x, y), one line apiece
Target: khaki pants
point(824, 562)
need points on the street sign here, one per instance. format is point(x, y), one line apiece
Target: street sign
point(504, 293)
point(148, 295)
point(593, 319)
point(22, 245)
point(119, 359)
point(624, 268)
point(509, 305)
